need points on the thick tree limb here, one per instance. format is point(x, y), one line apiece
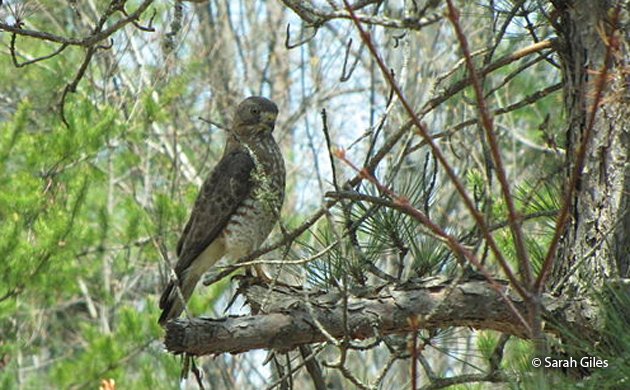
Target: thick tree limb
point(287, 321)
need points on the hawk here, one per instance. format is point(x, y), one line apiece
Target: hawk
point(237, 206)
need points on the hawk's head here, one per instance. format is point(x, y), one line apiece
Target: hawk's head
point(255, 115)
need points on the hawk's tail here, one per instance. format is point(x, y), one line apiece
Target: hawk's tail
point(171, 302)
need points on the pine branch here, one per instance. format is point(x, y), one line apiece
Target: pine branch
point(288, 321)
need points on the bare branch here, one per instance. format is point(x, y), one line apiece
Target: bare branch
point(488, 125)
point(86, 41)
point(288, 323)
point(316, 16)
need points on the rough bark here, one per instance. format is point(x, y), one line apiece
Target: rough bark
point(596, 244)
point(285, 321)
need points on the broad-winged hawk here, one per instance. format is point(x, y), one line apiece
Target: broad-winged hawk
point(237, 206)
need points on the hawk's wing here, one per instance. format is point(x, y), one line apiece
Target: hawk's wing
point(220, 195)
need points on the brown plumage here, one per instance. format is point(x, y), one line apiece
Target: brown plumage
point(237, 206)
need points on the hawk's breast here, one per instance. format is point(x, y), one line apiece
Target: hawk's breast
point(256, 216)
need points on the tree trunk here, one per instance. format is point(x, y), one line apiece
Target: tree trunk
point(596, 245)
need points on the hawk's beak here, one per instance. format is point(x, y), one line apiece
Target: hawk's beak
point(268, 119)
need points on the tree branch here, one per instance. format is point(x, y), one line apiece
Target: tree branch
point(286, 322)
point(88, 41)
point(316, 17)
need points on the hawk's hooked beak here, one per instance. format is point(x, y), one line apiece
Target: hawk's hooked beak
point(268, 119)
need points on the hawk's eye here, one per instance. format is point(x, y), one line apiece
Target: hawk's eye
point(255, 110)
